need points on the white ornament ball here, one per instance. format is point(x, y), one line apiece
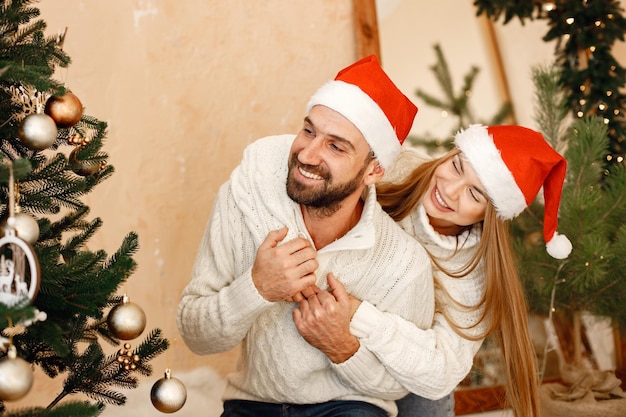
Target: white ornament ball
point(168, 394)
point(126, 320)
point(16, 376)
point(38, 131)
point(25, 227)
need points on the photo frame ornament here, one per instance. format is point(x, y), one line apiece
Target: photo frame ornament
point(19, 266)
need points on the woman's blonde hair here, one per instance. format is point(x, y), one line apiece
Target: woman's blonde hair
point(505, 311)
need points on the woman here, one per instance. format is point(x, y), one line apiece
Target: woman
point(458, 206)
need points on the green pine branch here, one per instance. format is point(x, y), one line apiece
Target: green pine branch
point(455, 103)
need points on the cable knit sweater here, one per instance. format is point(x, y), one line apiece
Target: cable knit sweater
point(432, 362)
point(220, 307)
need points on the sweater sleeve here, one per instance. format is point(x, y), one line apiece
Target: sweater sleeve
point(429, 363)
point(219, 304)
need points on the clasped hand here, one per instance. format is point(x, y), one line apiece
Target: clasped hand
point(282, 271)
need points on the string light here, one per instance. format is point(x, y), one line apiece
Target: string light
point(548, 7)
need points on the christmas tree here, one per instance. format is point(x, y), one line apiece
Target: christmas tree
point(591, 215)
point(455, 104)
point(585, 32)
point(58, 300)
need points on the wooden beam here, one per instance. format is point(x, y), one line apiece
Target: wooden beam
point(366, 28)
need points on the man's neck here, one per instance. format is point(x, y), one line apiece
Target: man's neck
point(325, 227)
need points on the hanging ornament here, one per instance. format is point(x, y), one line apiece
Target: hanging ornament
point(65, 110)
point(37, 131)
point(168, 394)
point(84, 168)
point(26, 228)
point(16, 376)
point(126, 357)
point(126, 320)
point(19, 267)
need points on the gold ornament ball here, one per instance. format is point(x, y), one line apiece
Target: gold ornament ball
point(16, 376)
point(65, 110)
point(37, 131)
point(126, 320)
point(168, 394)
point(26, 228)
point(83, 168)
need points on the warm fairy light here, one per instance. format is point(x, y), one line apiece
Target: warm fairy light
point(606, 121)
point(602, 106)
point(444, 113)
point(592, 48)
point(582, 87)
point(580, 114)
point(598, 23)
point(569, 20)
point(548, 7)
point(609, 93)
point(620, 159)
point(616, 112)
point(582, 102)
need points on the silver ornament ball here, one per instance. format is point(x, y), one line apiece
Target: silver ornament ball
point(168, 394)
point(38, 131)
point(16, 376)
point(126, 320)
point(25, 227)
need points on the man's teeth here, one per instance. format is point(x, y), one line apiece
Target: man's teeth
point(310, 175)
point(439, 199)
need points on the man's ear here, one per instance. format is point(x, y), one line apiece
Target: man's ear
point(375, 174)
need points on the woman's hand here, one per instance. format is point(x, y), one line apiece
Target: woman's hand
point(323, 320)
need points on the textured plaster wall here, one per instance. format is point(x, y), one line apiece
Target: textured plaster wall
point(184, 86)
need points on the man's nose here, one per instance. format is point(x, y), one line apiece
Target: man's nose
point(310, 154)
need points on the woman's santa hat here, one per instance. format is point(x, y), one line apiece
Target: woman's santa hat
point(514, 163)
point(367, 97)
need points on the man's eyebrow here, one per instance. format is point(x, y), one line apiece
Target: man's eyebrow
point(481, 191)
point(341, 139)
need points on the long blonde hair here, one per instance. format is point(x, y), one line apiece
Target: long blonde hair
point(505, 309)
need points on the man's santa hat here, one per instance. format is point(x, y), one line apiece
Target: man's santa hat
point(514, 163)
point(367, 97)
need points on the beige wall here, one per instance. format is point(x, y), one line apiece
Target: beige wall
point(184, 86)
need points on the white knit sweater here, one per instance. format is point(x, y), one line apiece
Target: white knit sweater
point(221, 307)
point(432, 362)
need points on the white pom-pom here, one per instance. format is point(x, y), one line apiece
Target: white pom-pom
point(559, 246)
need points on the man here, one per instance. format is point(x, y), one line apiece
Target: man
point(295, 210)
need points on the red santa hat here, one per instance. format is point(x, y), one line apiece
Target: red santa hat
point(366, 96)
point(514, 163)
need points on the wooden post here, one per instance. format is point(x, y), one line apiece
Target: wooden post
point(366, 28)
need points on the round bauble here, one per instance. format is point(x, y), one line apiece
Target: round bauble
point(65, 110)
point(168, 394)
point(126, 320)
point(16, 376)
point(25, 227)
point(83, 168)
point(37, 131)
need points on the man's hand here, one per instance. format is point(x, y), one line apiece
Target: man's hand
point(281, 271)
point(323, 320)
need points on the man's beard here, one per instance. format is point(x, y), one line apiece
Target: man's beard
point(326, 198)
